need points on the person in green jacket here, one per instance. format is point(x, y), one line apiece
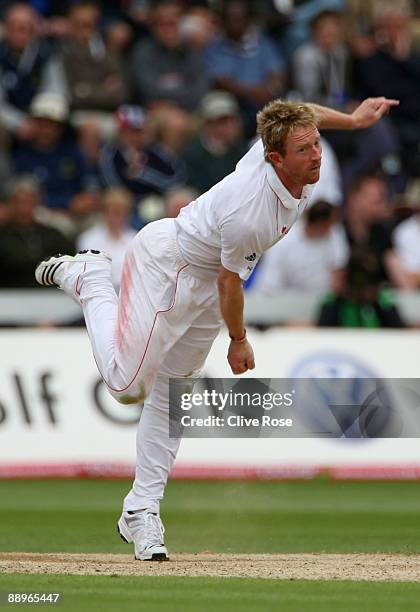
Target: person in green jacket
point(362, 302)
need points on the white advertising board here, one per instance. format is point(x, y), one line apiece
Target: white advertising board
point(56, 417)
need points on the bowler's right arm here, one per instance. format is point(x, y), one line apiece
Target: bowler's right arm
point(231, 295)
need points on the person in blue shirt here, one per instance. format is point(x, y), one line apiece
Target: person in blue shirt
point(25, 68)
point(244, 61)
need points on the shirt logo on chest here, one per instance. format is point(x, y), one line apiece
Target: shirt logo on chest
point(284, 230)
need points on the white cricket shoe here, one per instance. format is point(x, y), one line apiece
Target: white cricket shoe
point(146, 530)
point(68, 271)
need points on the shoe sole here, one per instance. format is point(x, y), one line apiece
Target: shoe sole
point(121, 530)
point(45, 270)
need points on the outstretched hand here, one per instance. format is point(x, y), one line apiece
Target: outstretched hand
point(371, 110)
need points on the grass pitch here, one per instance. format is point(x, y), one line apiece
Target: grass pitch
point(230, 517)
point(237, 517)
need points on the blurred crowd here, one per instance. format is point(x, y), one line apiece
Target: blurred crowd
point(114, 114)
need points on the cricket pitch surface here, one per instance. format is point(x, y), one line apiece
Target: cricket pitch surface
point(320, 566)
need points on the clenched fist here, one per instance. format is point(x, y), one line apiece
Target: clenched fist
point(241, 356)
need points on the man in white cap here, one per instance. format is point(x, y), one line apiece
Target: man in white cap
point(54, 160)
point(182, 277)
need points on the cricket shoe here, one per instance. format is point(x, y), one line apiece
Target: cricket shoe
point(146, 530)
point(67, 272)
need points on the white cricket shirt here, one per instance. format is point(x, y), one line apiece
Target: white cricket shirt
point(239, 218)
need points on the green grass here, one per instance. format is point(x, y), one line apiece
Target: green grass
point(153, 594)
point(248, 517)
point(253, 517)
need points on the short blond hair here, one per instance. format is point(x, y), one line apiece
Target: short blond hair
point(278, 119)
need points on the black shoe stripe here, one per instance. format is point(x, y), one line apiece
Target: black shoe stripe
point(50, 269)
point(47, 275)
point(44, 271)
point(51, 273)
point(56, 268)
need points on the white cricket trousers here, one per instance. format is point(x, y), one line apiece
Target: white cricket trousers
point(162, 326)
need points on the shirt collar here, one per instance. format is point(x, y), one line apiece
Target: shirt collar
point(280, 190)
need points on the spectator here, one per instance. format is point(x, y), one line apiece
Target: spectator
point(394, 70)
point(361, 303)
point(198, 27)
point(5, 161)
point(321, 67)
point(220, 144)
point(137, 12)
point(4, 212)
point(45, 8)
point(136, 162)
point(4, 208)
point(176, 199)
point(55, 160)
point(244, 62)
point(311, 258)
point(368, 225)
point(24, 242)
point(321, 73)
point(163, 67)
point(298, 30)
point(90, 141)
point(113, 234)
point(119, 34)
point(25, 68)
point(406, 238)
point(172, 128)
point(93, 74)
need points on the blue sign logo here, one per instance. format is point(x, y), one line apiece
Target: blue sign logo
point(358, 405)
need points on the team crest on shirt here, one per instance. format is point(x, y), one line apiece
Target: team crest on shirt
point(251, 257)
point(284, 230)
